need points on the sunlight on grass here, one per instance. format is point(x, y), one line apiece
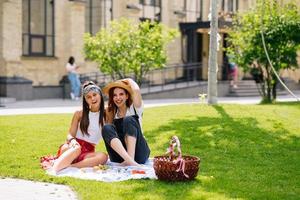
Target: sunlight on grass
point(246, 151)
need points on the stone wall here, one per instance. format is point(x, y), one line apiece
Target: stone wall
point(11, 44)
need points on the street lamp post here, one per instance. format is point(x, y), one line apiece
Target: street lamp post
point(212, 63)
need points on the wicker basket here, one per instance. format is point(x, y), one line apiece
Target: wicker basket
point(176, 167)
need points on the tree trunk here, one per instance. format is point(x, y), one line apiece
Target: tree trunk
point(274, 92)
point(139, 81)
point(261, 80)
point(268, 99)
point(269, 85)
point(138, 77)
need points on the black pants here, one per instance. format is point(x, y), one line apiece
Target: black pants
point(119, 129)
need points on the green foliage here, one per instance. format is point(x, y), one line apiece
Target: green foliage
point(281, 27)
point(126, 47)
point(246, 152)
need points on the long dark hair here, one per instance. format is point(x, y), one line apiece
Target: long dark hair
point(111, 104)
point(71, 60)
point(84, 121)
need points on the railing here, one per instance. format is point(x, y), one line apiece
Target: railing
point(99, 78)
point(171, 77)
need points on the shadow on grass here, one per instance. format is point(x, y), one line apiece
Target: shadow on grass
point(240, 159)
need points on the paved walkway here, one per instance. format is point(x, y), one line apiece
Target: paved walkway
point(69, 106)
point(16, 189)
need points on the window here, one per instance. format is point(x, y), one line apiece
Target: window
point(38, 27)
point(98, 14)
point(190, 10)
point(150, 2)
point(151, 10)
point(193, 10)
point(230, 5)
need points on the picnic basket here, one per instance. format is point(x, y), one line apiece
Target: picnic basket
point(172, 167)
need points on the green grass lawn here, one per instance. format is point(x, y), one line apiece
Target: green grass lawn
point(246, 151)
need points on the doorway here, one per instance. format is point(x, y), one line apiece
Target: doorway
point(192, 51)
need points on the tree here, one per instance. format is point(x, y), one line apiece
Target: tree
point(280, 26)
point(128, 48)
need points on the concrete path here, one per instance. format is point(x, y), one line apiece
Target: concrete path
point(68, 106)
point(17, 189)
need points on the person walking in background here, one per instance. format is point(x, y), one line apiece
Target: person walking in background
point(233, 73)
point(73, 78)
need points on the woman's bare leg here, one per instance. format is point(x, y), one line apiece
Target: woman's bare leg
point(116, 144)
point(64, 148)
point(235, 80)
point(92, 159)
point(66, 158)
point(130, 144)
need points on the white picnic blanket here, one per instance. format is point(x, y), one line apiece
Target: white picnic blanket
point(114, 172)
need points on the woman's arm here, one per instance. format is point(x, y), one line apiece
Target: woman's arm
point(109, 116)
point(74, 125)
point(136, 97)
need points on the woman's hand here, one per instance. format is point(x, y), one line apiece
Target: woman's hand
point(137, 97)
point(134, 86)
point(73, 143)
point(74, 125)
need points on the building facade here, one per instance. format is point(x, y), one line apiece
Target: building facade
point(38, 36)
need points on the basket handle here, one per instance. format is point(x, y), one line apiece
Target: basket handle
point(173, 143)
point(171, 150)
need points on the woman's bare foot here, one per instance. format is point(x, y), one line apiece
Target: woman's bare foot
point(130, 163)
point(47, 164)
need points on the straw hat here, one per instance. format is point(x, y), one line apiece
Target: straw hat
point(125, 84)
